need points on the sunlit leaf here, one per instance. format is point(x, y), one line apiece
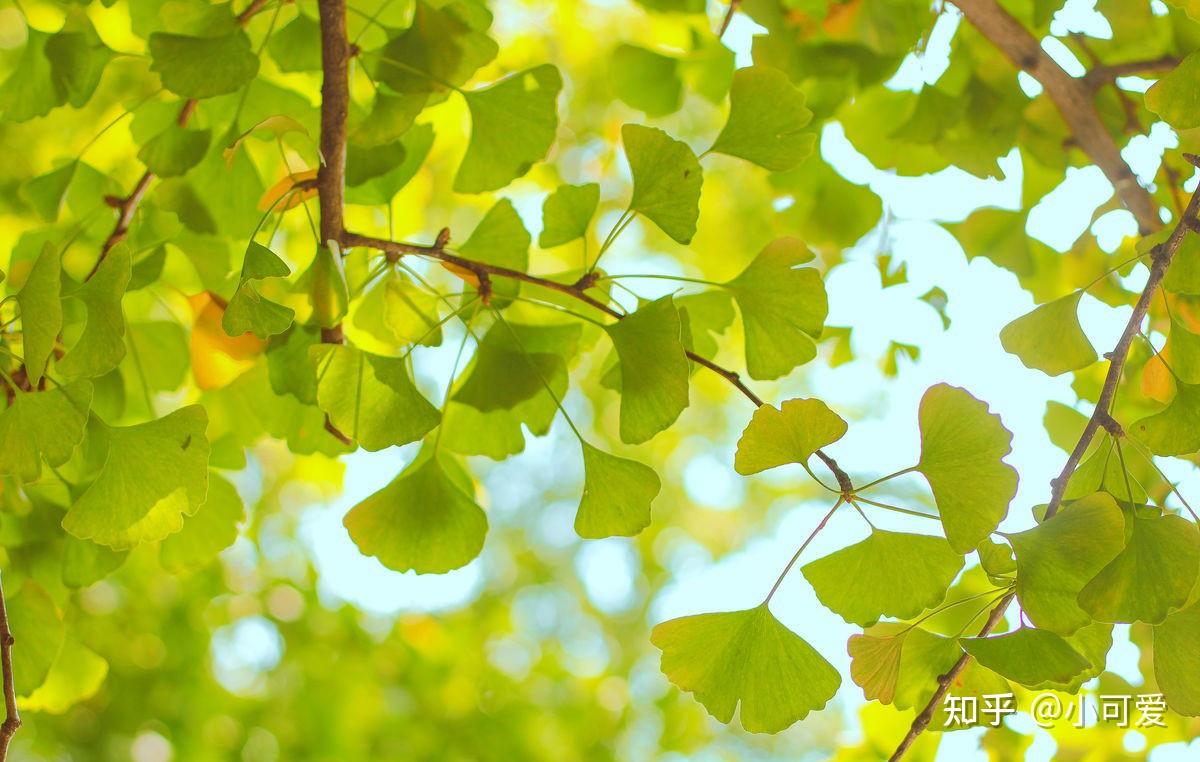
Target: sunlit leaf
point(1050, 338)
point(767, 120)
point(666, 180)
point(790, 433)
point(617, 493)
point(654, 369)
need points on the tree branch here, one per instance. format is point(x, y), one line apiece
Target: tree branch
point(1101, 74)
point(335, 105)
point(1072, 97)
point(922, 720)
point(12, 719)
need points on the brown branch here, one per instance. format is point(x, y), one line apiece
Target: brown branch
point(12, 719)
point(1072, 97)
point(922, 720)
point(577, 290)
point(1101, 74)
point(733, 6)
point(335, 105)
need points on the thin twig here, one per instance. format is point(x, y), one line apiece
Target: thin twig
point(12, 719)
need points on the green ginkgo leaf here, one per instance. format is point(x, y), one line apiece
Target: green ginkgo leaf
point(213, 528)
point(783, 308)
point(43, 425)
point(894, 574)
point(76, 675)
point(260, 262)
point(666, 180)
point(646, 80)
point(1057, 558)
point(962, 451)
point(1103, 470)
point(617, 493)
point(175, 150)
point(512, 127)
point(35, 624)
point(500, 239)
point(790, 433)
point(1050, 338)
point(1034, 658)
point(766, 121)
point(898, 664)
point(101, 345)
point(1152, 575)
point(654, 369)
point(77, 59)
point(296, 46)
point(154, 474)
point(249, 311)
point(85, 563)
point(996, 558)
point(1183, 276)
point(1174, 430)
point(29, 90)
point(508, 369)
point(746, 657)
point(1174, 96)
point(45, 193)
point(423, 521)
point(370, 398)
point(325, 283)
point(41, 311)
point(566, 214)
point(441, 49)
point(201, 67)
point(1177, 660)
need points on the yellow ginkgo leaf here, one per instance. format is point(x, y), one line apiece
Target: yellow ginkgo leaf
point(218, 358)
point(273, 198)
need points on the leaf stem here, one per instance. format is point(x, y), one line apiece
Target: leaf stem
point(803, 545)
point(889, 477)
point(537, 372)
point(896, 508)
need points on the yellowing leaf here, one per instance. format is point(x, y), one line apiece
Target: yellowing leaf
point(271, 197)
point(746, 657)
point(217, 357)
point(1050, 338)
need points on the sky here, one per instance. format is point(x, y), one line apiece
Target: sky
point(982, 299)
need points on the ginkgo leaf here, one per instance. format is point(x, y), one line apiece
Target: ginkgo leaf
point(77, 60)
point(1174, 430)
point(783, 308)
point(666, 180)
point(290, 192)
point(654, 369)
point(76, 675)
point(1152, 575)
point(617, 493)
point(410, 312)
point(996, 558)
point(325, 283)
point(1174, 96)
point(746, 657)
point(900, 664)
point(260, 262)
point(646, 80)
point(766, 121)
point(175, 150)
point(1183, 276)
point(424, 520)
point(512, 127)
point(1103, 470)
point(45, 193)
point(1050, 338)
point(249, 311)
point(85, 562)
point(500, 239)
point(1177, 660)
point(441, 49)
point(371, 398)
point(875, 664)
point(213, 528)
point(790, 433)
point(43, 425)
point(508, 369)
point(154, 474)
point(962, 451)
point(1034, 658)
point(566, 214)
point(41, 311)
point(39, 628)
point(201, 67)
point(1057, 558)
point(28, 91)
point(101, 345)
point(895, 574)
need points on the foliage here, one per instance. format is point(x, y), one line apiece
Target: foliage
point(249, 245)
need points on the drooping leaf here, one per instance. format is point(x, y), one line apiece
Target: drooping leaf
point(666, 180)
point(39, 629)
point(213, 528)
point(1057, 558)
point(783, 308)
point(154, 474)
point(325, 283)
point(371, 398)
point(249, 311)
point(566, 214)
point(894, 574)
point(654, 369)
point(41, 311)
point(962, 451)
point(790, 433)
point(1174, 430)
point(1177, 660)
point(512, 127)
point(509, 369)
point(101, 345)
point(746, 657)
point(766, 121)
point(43, 425)
point(1050, 338)
point(898, 664)
point(646, 80)
point(617, 493)
point(45, 193)
point(201, 67)
point(1034, 658)
point(1152, 575)
point(422, 521)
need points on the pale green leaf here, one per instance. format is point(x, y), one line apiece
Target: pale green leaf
point(766, 121)
point(1050, 338)
point(746, 657)
point(1174, 430)
point(962, 451)
point(41, 311)
point(43, 425)
point(1175, 98)
point(666, 180)
point(566, 214)
point(38, 634)
point(790, 433)
point(1031, 657)
point(646, 80)
point(1177, 660)
point(213, 528)
point(101, 345)
point(617, 493)
point(508, 370)
point(45, 193)
point(76, 675)
point(251, 312)
point(86, 562)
